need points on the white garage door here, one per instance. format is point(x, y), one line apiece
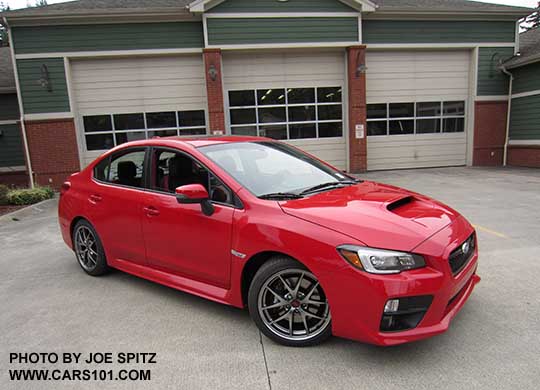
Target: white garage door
point(124, 99)
point(417, 104)
point(295, 96)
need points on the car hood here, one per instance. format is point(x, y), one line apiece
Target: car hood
point(379, 215)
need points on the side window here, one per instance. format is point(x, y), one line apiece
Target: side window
point(171, 170)
point(125, 169)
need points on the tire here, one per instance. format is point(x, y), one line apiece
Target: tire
point(295, 314)
point(89, 249)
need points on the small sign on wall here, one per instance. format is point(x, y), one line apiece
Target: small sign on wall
point(359, 130)
point(217, 132)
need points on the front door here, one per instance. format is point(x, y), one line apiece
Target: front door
point(179, 238)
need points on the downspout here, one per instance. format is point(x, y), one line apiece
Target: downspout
point(506, 139)
point(21, 109)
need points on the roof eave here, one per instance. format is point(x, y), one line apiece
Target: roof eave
point(522, 62)
point(510, 14)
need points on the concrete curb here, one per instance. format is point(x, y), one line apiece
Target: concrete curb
point(27, 210)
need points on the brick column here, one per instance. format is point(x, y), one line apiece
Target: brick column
point(356, 55)
point(53, 150)
point(214, 90)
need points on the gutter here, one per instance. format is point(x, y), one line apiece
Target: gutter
point(21, 108)
point(507, 136)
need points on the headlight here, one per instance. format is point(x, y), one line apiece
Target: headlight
point(378, 261)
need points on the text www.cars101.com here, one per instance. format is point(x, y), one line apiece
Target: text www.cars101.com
point(79, 375)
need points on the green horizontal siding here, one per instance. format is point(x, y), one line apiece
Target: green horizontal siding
point(237, 6)
point(9, 107)
point(525, 118)
point(11, 149)
point(36, 99)
point(281, 30)
point(129, 36)
point(491, 81)
point(526, 78)
point(416, 31)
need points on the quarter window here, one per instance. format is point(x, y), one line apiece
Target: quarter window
point(125, 169)
point(294, 113)
point(103, 132)
point(415, 118)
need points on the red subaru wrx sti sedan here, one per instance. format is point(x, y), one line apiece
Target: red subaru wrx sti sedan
point(254, 222)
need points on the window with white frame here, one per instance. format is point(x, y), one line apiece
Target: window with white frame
point(287, 114)
point(106, 131)
point(415, 118)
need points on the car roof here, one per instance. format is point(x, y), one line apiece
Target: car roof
point(196, 141)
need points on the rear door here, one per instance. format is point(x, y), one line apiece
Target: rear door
point(179, 238)
point(114, 204)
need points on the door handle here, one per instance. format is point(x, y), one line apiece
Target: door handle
point(151, 211)
point(94, 199)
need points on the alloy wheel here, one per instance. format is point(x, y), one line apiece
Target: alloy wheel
point(86, 248)
point(292, 305)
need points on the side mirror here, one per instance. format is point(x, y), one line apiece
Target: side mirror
point(195, 193)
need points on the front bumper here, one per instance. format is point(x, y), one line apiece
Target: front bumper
point(357, 299)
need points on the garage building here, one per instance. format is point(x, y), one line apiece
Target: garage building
point(364, 85)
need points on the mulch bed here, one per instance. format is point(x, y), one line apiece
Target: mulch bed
point(9, 208)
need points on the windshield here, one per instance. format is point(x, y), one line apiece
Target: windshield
point(272, 168)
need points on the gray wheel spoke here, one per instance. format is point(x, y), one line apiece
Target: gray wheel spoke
point(310, 293)
point(304, 320)
point(310, 302)
point(295, 293)
point(280, 298)
point(289, 289)
point(86, 248)
point(291, 323)
point(275, 305)
point(313, 315)
point(288, 313)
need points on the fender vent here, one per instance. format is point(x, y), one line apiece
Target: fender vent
point(399, 203)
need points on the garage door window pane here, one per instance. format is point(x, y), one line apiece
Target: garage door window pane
point(453, 125)
point(159, 120)
point(302, 114)
point(424, 126)
point(128, 137)
point(248, 130)
point(129, 121)
point(303, 131)
point(97, 123)
point(270, 96)
point(191, 118)
point(453, 108)
point(243, 116)
point(241, 98)
point(301, 95)
point(272, 115)
point(162, 133)
point(330, 112)
point(428, 109)
point(401, 110)
point(401, 127)
point(99, 142)
point(377, 128)
point(376, 111)
point(275, 132)
point(330, 129)
point(329, 95)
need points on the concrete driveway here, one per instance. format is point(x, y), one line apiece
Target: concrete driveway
point(49, 305)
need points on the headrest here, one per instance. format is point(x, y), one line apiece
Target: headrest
point(180, 166)
point(127, 170)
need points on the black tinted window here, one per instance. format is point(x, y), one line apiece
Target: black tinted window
point(127, 169)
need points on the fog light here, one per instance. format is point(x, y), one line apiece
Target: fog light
point(391, 306)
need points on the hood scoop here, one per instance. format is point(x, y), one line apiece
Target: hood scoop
point(399, 203)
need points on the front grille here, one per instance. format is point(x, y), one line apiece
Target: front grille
point(459, 258)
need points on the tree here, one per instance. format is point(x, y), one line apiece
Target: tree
point(4, 41)
point(533, 20)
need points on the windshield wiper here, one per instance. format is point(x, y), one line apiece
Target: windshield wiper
point(280, 196)
point(331, 184)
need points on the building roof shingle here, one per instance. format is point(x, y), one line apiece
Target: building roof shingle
point(7, 77)
point(529, 49)
point(82, 7)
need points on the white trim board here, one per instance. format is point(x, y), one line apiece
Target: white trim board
point(109, 53)
point(284, 45)
point(497, 98)
point(13, 169)
point(524, 142)
point(247, 15)
point(199, 6)
point(525, 94)
point(48, 116)
point(464, 45)
point(10, 122)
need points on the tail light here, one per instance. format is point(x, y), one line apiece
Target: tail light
point(65, 187)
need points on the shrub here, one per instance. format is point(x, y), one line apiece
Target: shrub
point(29, 196)
point(3, 194)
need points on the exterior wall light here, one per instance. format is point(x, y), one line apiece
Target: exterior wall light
point(45, 80)
point(212, 72)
